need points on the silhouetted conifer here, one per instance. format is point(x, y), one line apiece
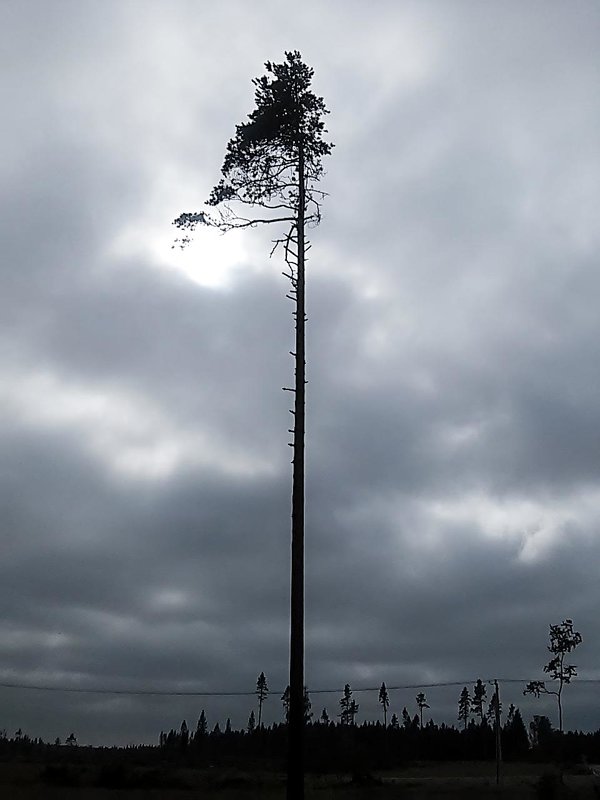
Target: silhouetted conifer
point(479, 700)
point(406, 720)
point(262, 690)
point(307, 706)
point(494, 708)
point(349, 707)
point(202, 726)
point(251, 723)
point(184, 735)
point(422, 704)
point(384, 699)
point(464, 707)
point(514, 735)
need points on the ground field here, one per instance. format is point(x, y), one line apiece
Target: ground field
point(428, 781)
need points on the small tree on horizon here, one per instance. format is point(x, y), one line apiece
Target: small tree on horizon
point(308, 714)
point(494, 708)
point(479, 700)
point(184, 734)
point(563, 639)
point(307, 705)
point(514, 734)
point(349, 707)
point(540, 732)
point(251, 722)
point(421, 703)
point(262, 690)
point(384, 699)
point(406, 720)
point(464, 707)
point(202, 726)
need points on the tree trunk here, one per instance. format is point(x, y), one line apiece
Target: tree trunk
point(295, 777)
point(560, 721)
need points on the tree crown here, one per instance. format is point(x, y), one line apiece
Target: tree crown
point(282, 137)
point(287, 117)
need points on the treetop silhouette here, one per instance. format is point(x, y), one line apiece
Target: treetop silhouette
point(263, 160)
point(563, 639)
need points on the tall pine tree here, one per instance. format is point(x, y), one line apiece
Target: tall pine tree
point(272, 166)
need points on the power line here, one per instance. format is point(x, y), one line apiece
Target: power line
point(156, 692)
point(181, 693)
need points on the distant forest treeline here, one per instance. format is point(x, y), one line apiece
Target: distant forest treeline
point(377, 745)
point(330, 747)
point(342, 744)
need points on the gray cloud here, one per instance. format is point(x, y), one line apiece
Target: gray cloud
point(452, 501)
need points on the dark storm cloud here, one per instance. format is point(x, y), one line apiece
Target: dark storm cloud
point(452, 508)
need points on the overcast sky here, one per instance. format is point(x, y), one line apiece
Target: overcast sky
point(453, 452)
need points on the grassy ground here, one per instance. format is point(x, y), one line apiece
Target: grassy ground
point(429, 781)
